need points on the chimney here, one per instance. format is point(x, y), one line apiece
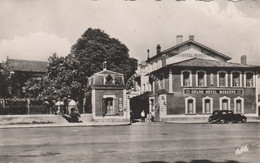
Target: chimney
point(191, 37)
point(179, 39)
point(244, 59)
point(164, 60)
point(158, 48)
point(104, 65)
point(148, 55)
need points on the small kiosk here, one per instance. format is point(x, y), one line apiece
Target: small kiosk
point(108, 96)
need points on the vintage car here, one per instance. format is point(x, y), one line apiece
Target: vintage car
point(225, 116)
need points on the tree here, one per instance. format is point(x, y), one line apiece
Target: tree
point(4, 77)
point(11, 83)
point(94, 47)
point(68, 75)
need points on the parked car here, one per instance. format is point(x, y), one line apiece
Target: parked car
point(225, 116)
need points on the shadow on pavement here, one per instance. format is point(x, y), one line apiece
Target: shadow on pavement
point(207, 161)
point(155, 162)
point(193, 161)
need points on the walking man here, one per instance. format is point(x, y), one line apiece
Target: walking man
point(143, 115)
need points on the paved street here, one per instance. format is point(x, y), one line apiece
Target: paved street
point(140, 142)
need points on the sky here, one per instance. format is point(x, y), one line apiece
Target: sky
point(35, 29)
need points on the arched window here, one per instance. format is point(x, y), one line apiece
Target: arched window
point(236, 79)
point(201, 78)
point(207, 105)
point(224, 103)
point(222, 79)
point(186, 78)
point(249, 79)
point(190, 105)
point(238, 105)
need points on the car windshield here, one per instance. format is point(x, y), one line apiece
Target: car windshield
point(215, 113)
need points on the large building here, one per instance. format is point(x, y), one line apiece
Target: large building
point(192, 80)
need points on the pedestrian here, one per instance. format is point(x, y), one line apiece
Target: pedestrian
point(143, 116)
point(152, 116)
point(72, 104)
point(131, 116)
point(149, 117)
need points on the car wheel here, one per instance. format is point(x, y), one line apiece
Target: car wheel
point(243, 120)
point(222, 121)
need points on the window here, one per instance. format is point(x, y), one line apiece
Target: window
point(207, 105)
point(224, 103)
point(109, 80)
point(222, 79)
point(238, 105)
point(162, 81)
point(249, 79)
point(236, 79)
point(201, 79)
point(211, 79)
point(190, 105)
point(159, 64)
point(186, 78)
point(154, 66)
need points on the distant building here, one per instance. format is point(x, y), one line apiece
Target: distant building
point(108, 96)
point(191, 80)
point(22, 70)
point(37, 69)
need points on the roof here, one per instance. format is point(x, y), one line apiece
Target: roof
point(195, 43)
point(27, 65)
point(106, 72)
point(198, 62)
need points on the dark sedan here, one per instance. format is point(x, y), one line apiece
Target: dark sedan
point(225, 116)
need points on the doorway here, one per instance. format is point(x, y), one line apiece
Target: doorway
point(108, 107)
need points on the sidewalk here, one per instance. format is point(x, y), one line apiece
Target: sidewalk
point(86, 124)
point(201, 121)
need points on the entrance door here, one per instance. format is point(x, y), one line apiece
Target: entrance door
point(238, 106)
point(109, 106)
point(207, 106)
point(190, 106)
point(225, 104)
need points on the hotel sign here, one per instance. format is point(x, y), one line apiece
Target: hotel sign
point(213, 91)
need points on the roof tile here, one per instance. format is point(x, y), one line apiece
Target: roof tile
point(27, 65)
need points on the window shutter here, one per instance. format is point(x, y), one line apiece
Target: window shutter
point(116, 106)
point(103, 106)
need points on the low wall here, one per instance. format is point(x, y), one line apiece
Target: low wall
point(31, 119)
point(86, 117)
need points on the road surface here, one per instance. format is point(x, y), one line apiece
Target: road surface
point(138, 143)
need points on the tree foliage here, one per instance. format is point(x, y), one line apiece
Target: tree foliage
point(68, 75)
point(12, 83)
point(94, 47)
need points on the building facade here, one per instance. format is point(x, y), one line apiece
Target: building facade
point(108, 96)
point(193, 80)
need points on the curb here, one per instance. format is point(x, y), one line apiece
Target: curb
point(64, 125)
point(202, 122)
point(184, 122)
